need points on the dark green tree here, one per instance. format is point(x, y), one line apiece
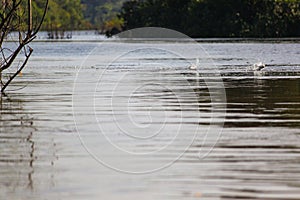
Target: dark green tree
point(216, 18)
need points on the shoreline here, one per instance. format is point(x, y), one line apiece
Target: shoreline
point(174, 40)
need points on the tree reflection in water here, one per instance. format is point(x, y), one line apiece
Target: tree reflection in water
point(19, 156)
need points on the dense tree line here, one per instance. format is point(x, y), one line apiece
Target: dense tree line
point(102, 14)
point(216, 18)
point(81, 14)
point(62, 14)
point(196, 18)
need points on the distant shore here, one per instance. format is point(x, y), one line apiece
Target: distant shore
point(92, 36)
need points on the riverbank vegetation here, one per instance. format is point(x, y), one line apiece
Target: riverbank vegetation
point(196, 18)
point(216, 18)
point(66, 15)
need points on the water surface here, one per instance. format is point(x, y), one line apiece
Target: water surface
point(152, 96)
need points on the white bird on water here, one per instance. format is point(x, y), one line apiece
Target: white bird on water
point(194, 66)
point(258, 66)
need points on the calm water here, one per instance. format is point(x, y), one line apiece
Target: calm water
point(135, 122)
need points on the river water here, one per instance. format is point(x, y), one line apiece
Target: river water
point(130, 120)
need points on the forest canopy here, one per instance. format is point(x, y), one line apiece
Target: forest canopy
point(217, 18)
point(196, 18)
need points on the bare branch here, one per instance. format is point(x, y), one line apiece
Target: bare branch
point(11, 12)
point(29, 35)
point(5, 28)
point(43, 17)
point(3, 55)
point(18, 71)
point(13, 57)
point(29, 17)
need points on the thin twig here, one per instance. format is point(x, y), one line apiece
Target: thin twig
point(29, 17)
point(30, 35)
point(18, 71)
point(13, 57)
point(11, 12)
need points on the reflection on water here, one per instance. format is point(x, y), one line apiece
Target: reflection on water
point(17, 147)
point(263, 102)
point(256, 157)
point(21, 152)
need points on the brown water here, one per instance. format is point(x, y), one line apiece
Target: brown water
point(140, 130)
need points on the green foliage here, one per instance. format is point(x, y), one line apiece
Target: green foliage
point(102, 14)
point(64, 14)
point(196, 18)
point(80, 14)
point(216, 18)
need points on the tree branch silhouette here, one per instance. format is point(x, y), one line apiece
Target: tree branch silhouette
point(9, 16)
